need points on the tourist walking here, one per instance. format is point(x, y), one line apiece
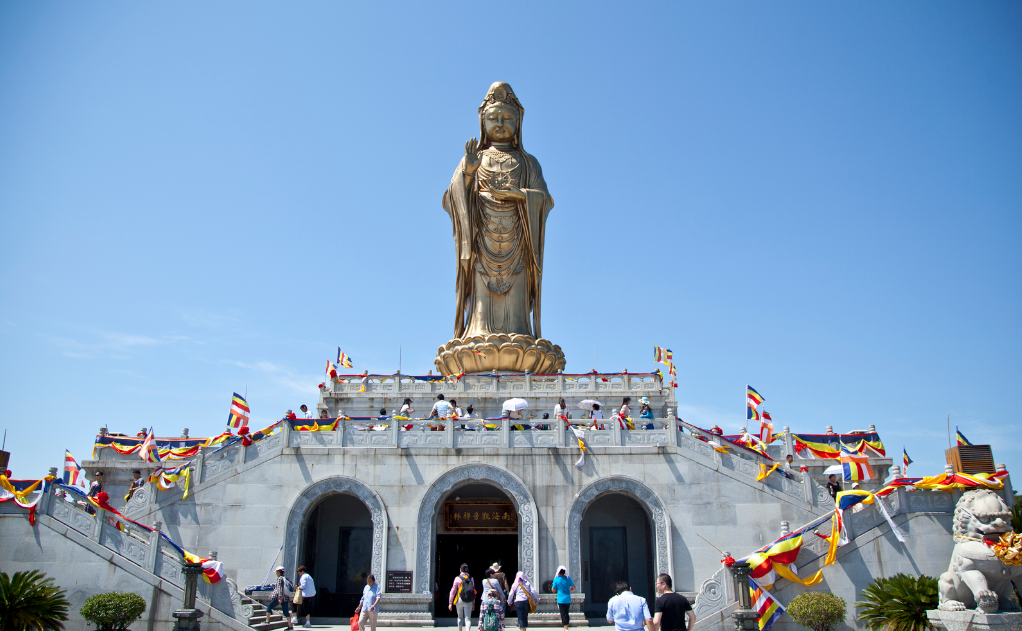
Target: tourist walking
point(563, 585)
point(646, 412)
point(524, 598)
point(463, 597)
point(406, 409)
point(369, 606)
point(94, 489)
point(671, 609)
point(497, 574)
point(441, 409)
point(623, 414)
point(491, 607)
point(626, 611)
point(279, 599)
point(307, 588)
point(596, 415)
point(561, 410)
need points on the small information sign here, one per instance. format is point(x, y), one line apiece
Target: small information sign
point(399, 582)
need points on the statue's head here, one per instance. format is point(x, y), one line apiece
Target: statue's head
point(500, 117)
point(982, 514)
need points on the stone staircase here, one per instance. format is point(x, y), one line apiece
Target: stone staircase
point(258, 618)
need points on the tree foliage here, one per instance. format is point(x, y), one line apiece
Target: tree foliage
point(114, 610)
point(898, 603)
point(818, 611)
point(29, 600)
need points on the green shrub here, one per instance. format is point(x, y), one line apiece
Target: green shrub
point(113, 611)
point(818, 611)
point(898, 603)
point(29, 600)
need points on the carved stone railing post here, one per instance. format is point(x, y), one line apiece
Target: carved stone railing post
point(395, 427)
point(46, 501)
point(787, 441)
point(97, 530)
point(448, 433)
point(242, 451)
point(615, 428)
point(187, 618)
point(286, 432)
point(745, 617)
point(154, 547)
point(672, 435)
point(199, 459)
point(505, 432)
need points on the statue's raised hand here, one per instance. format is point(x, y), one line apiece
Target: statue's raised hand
point(472, 157)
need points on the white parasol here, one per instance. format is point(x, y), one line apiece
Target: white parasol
point(834, 470)
point(588, 404)
point(513, 405)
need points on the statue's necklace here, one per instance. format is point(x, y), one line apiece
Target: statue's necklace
point(498, 156)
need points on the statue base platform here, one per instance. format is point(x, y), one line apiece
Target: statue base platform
point(972, 620)
point(500, 353)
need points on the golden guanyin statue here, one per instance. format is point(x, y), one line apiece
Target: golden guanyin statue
point(498, 203)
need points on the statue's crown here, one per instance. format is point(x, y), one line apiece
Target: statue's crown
point(500, 93)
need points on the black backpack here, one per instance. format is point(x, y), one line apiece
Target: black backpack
point(468, 590)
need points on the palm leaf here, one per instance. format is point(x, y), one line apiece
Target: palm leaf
point(898, 603)
point(30, 601)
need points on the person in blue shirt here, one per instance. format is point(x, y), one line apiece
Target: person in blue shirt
point(626, 611)
point(563, 585)
point(369, 605)
point(646, 411)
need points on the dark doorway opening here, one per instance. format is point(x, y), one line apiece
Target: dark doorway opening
point(338, 552)
point(616, 545)
point(479, 551)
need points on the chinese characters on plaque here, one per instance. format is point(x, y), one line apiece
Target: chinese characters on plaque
point(480, 516)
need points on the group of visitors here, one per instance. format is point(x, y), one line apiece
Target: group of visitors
point(285, 593)
point(626, 611)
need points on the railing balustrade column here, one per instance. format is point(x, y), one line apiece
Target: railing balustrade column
point(187, 618)
point(505, 431)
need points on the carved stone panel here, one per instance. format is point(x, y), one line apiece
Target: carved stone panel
point(644, 436)
point(477, 439)
point(600, 437)
point(316, 439)
point(168, 567)
point(124, 545)
point(422, 439)
point(660, 520)
point(74, 517)
point(714, 594)
point(430, 504)
point(534, 438)
point(305, 502)
point(219, 463)
point(265, 446)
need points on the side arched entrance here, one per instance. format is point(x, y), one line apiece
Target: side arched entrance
point(618, 529)
point(337, 527)
point(473, 478)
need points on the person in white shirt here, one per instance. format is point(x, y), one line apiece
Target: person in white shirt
point(308, 588)
point(406, 409)
point(596, 415)
point(441, 409)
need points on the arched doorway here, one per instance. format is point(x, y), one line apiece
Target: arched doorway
point(337, 551)
point(477, 525)
point(650, 516)
point(326, 516)
point(432, 504)
point(616, 541)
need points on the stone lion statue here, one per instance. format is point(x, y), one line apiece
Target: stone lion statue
point(976, 578)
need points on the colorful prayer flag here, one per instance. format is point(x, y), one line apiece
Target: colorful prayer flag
point(856, 466)
point(662, 355)
point(905, 458)
point(240, 413)
point(212, 571)
point(149, 451)
point(331, 370)
point(752, 401)
point(73, 474)
point(765, 605)
point(342, 359)
point(962, 440)
point(766, 427)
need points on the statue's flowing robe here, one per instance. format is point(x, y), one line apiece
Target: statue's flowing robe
point(498, 247)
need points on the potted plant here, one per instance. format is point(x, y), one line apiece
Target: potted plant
point(898, 603)
point(113, 611)
point(29, 600)
point(819, 611)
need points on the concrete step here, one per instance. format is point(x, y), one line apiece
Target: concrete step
point(262, 626)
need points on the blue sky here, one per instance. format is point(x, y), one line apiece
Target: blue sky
point(819, 199)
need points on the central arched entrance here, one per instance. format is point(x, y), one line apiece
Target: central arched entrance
point(477, 525)
point(337, 552)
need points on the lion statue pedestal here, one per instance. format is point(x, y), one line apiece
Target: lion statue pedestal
point(976, 591)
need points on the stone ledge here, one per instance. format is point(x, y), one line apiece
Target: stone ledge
point(972, 620)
